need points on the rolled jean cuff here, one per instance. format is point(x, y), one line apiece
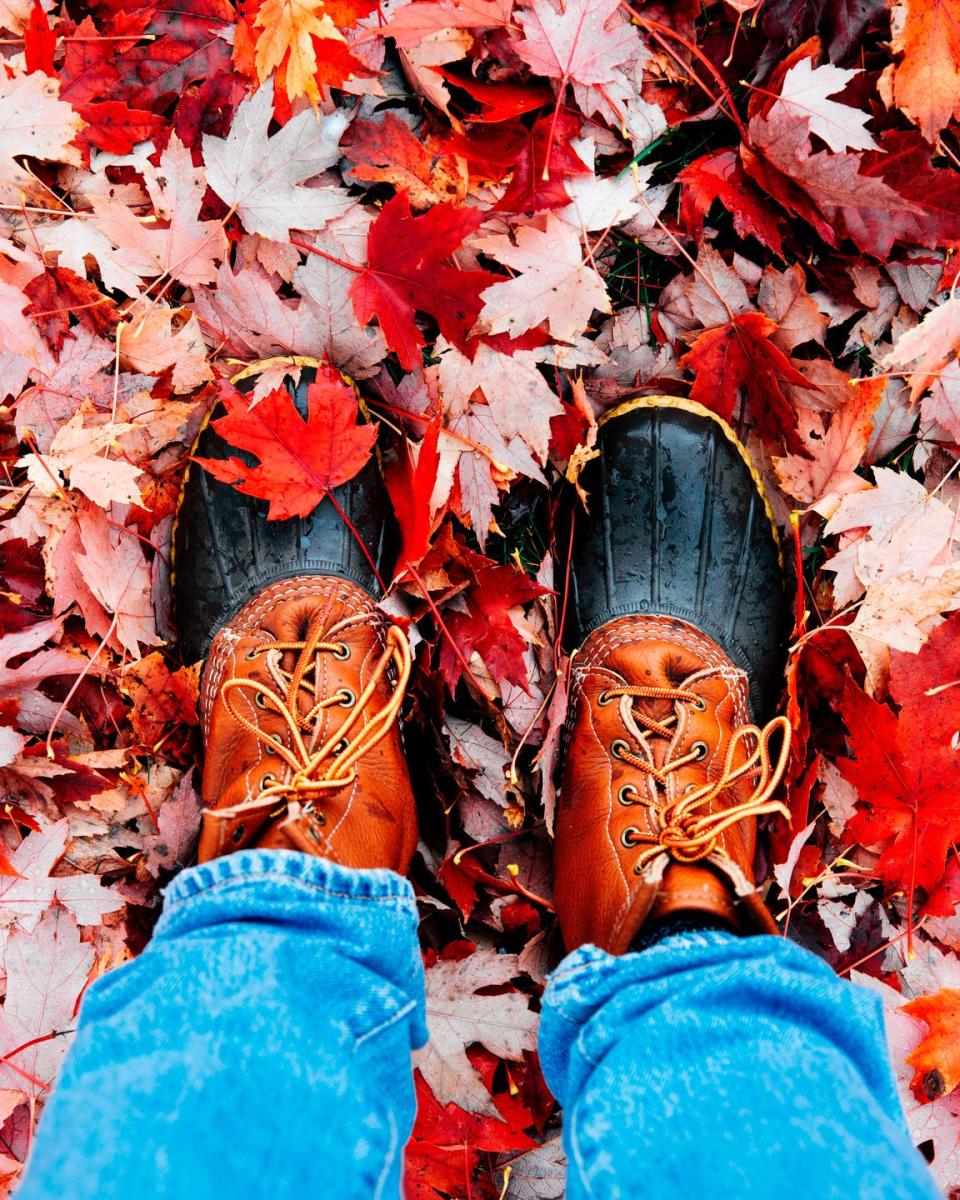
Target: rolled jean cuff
point(368, 916)
point(289, 865)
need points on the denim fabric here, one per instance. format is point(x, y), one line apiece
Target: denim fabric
point(712, 1066)
point(260, 1047)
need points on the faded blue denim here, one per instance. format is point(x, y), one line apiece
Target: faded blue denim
point(260, 1048)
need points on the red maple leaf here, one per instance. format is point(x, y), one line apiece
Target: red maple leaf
point(39, 42)
point(447, 1146)
point(540, 158)
point(187, 49)
point(410, 488)
point(499, 101)
point(407, 272)
point(740, 355)
point(300, 460)
point(91, 82)
point(719, 175)
point(904, 765)
point(482, 625)
point(60, 293)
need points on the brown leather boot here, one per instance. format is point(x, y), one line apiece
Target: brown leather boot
point(677, 589)
point(299, 706)
point(304, 674)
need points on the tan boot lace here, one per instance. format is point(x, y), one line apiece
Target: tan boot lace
point(687, 829)
point(314, 770)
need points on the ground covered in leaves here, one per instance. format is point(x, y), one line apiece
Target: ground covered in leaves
point(499, 218)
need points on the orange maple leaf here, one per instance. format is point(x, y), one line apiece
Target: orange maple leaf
point(926, 85)
point(937, 1058)
point(303, 41)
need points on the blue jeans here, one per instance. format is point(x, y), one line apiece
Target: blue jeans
point(260, 1047)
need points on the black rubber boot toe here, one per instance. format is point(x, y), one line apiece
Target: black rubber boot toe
point(679, 526)
point(226, 551)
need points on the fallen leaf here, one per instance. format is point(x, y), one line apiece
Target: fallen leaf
point(926, 84)
point(555, 286)
point(301, 460)
point(457, 1018)
point(936, 1061)
point(34, 123)
point(407, 272)
point(807, 88)
point(47, 968)
point(740, 356)
point(262, 176)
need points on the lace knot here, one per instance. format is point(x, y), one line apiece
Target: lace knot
point(689, 826)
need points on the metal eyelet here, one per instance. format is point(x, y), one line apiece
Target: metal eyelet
point(702, 750)
point(699, 704)
point(277, 740)
point(252, 654)
point(604, 698)
point(342, 651)
point(266, 781)
point(237, 833)
point(691, 787)
point(627, 795)
point(319, 817)
point(259, 700)
point(340, 746)
point(348, 697)
point(618, 747)
point(627, 840)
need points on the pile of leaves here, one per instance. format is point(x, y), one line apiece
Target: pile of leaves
point(499, 218)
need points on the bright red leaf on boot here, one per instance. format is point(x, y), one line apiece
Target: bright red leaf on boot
point(408, 272)
point(301, 461)
point(740, 355)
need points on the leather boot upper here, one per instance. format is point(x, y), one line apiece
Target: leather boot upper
point(299, 705)
point(663, 781)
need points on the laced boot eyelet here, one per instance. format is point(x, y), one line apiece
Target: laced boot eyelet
point(252, 654)
point(266, 781)
point(618, 747)
point(627, 795)
point(340, 746)
point(277, 740)
point(630, 837)
point(342, 651)
point(605, 698)
point(699, 704)
point(260, 700)
point(348, 697)
point(701, 749)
